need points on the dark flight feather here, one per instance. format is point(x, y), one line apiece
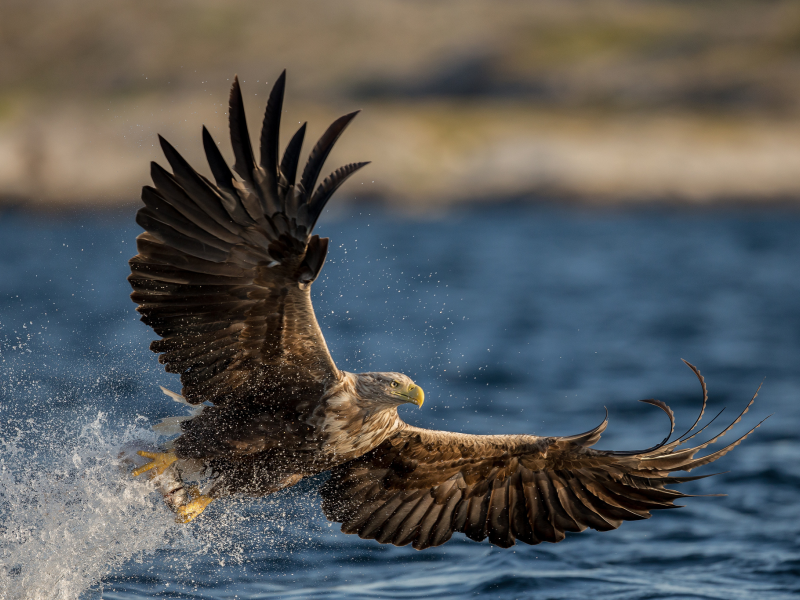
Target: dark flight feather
point(291, 156)
point(240, 137)
point(270, 134)
point(326, 190)
point(219, 168)
point(198, 188)
point(321, 150)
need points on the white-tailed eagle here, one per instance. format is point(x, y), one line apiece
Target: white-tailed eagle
point(223, 275)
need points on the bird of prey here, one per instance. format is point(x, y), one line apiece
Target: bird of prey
point(223, 275)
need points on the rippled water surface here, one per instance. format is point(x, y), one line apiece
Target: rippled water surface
point(513, 319)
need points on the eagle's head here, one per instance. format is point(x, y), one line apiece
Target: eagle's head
point(393, 389)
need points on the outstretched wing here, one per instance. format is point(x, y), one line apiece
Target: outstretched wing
point(421, 486)
point(224, 271)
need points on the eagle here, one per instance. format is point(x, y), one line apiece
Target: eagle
point(223, 275)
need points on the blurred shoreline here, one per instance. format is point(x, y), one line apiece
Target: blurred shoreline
point(424, 156)
point(601, 102)
point(115, 209)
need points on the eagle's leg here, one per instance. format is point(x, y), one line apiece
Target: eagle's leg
point(160, 462)
point(194, 507)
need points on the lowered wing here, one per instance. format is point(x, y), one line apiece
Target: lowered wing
point(421, 486)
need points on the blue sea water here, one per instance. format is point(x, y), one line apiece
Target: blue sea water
point(514, 319)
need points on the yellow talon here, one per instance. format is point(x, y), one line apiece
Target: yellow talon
point(160, 461)
point(192, 509)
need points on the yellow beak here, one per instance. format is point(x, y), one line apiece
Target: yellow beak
point(416, 395)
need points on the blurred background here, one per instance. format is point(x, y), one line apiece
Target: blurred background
point(526, 245)
point(598, 100)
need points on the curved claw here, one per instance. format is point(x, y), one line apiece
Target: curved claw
point(160, 462)
point(191, 510)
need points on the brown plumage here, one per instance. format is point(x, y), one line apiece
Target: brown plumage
point(223, 275)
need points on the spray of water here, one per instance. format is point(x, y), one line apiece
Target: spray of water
point(69, 511)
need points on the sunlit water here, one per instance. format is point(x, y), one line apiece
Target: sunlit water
point(513, 319)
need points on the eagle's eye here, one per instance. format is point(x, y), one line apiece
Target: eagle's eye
point(395, 384)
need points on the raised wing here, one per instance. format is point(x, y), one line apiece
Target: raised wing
point(224, 271)
point(421, 486)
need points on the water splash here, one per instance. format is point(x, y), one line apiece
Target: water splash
point(69, 511)
point(72, 518)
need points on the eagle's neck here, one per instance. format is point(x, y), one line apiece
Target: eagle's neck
point(353, 425)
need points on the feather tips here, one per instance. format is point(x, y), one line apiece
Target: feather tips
point(321, 150)
point(291, 156)
point(240, 138)
point(326, 190)
point(270, 133)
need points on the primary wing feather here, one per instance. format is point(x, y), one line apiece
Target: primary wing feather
point(224, 269)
